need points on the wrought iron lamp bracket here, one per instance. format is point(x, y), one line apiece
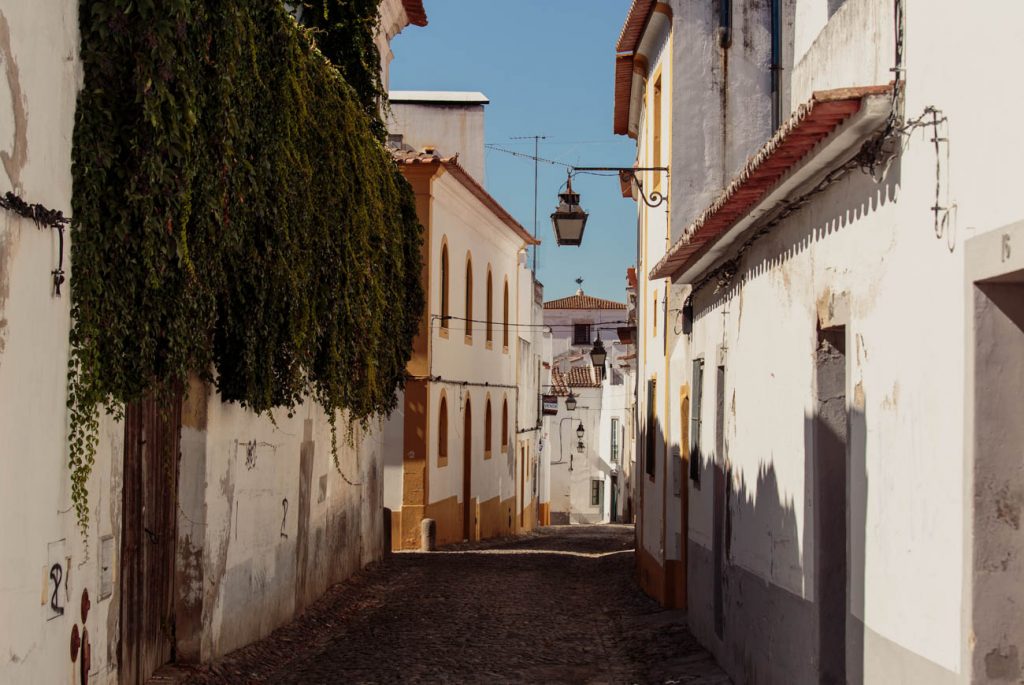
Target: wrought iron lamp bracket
point(652, 199)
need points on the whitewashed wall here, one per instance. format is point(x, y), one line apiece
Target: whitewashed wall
point(40, 74)
point(866, 255)
point(462, 223)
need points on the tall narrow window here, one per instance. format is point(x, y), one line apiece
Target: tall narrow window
point(615, 441)
point(504, 332)
point(695, 408)
point(442, 430)
point(654, 315)
point(469, 298)
point(652, 418)
point(656, 138)
point(596, 493)
point(444, 286)
point(490, 306)
point(487, 429)
point(504, 425)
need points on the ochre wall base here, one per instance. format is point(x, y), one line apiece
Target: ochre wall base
point(650, 575)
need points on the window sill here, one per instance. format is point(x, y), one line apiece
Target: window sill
point(504, 349)
point(469, 340)
point(489, 345)
point(504, 448)
point(442, 462)
point(443, 332)
point(487, 454)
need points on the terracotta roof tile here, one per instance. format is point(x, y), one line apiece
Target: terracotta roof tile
point(633, 27)
point(414, 10)
point(575, 377)
point(581, 301)
point(623, 90)
point(810, 124)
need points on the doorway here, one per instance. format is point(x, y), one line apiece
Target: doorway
point(831, 429)
point(467, 473)
point(152, 434)
point(995, 434)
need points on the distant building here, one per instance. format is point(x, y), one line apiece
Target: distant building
point(589, 475)
point(464, 447)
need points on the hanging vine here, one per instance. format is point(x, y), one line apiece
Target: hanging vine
point(235, 215)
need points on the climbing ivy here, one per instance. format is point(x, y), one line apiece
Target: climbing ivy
point(235, 214)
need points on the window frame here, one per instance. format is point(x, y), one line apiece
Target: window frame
point(488, 427)
point(489, 309)
point(442, 431)
point(586, 328)
point(445, 289)
point(468, 303)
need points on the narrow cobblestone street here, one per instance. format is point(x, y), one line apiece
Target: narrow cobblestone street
point(559, 605)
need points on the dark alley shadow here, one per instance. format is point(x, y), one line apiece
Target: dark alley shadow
point(779, 597)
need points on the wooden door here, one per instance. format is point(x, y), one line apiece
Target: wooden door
point(467, 474)
point(152, 432)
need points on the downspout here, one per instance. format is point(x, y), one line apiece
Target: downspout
point(776, 64)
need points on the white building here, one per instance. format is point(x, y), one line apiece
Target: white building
point(589, 484)
point(832, 334)
point(464, 447)
point(195, 561)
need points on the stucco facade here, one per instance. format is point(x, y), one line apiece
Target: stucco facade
point(849, 516)
point(258, 522)
point(464, 449)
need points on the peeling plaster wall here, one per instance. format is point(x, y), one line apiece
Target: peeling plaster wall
point(270, 518)
point(40, 74)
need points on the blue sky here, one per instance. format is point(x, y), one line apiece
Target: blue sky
point(548, 68)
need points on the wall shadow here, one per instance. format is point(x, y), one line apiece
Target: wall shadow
point(774, 602)
point(838, 208)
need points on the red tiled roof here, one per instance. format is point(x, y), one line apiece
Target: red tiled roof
point(414, 10)
point(631, 277)
point(581, 301)
point(623, 89)
point(809, 125)
point(451, 164)
point(633, 27)
point(575, 377)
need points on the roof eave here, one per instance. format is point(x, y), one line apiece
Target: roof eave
point(684, 263)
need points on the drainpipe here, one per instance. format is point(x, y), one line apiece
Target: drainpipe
point(776, 64)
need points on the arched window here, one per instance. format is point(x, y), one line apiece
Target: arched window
point(442, 430)
point(444, 286)
point(490, 306)
point(504, 330)
point(504, 425)
point(487, 429)
point(654, 315)
point(469, 297)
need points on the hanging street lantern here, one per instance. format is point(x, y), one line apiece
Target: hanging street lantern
point(579, 431)
point(598, 355)
point(570, 402)
point(569, 219)
point(579, 447)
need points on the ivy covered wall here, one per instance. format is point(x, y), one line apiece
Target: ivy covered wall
point(235, 212)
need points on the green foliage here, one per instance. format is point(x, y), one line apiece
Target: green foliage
point(235, 214)
point(343, 31)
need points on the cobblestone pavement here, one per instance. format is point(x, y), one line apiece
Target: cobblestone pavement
point(557, 606)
